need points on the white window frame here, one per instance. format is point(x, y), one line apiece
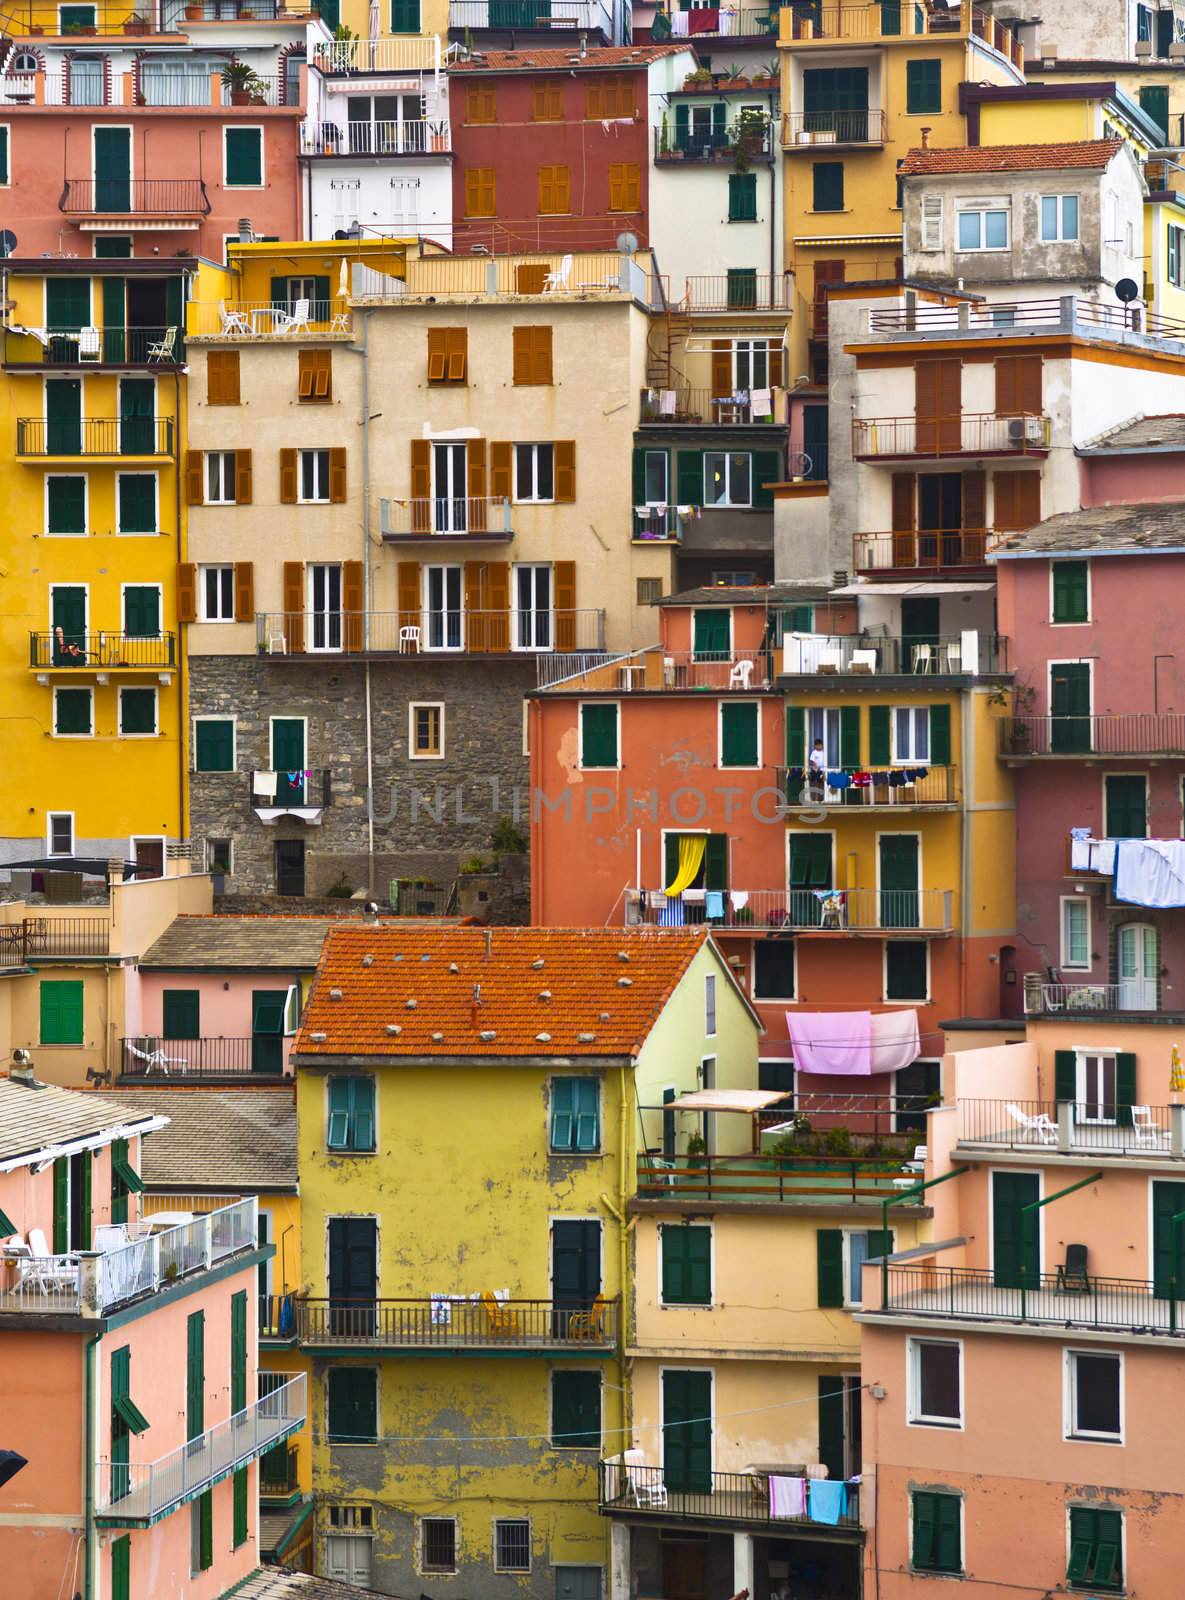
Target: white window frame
point(321, 498)
point(1070, 1428)
point(1066, 964)
point(153, 531)
point(910, 759)
point(711, 1001)
point(987, 207)
point(720, 705)
point(424, 755)
point(160, 608)
point(1059, 236)
point(896, 1000)
point(86, 504)
point(568, 1449)
point(90, 733)
point(915, 1416)
point(239, 127)
point(532, 611)
point(155, 732)
point(533, 499)
point(848, 1301)
point(435, 1572)
point(616, 767)
point(228, 840)
point(203, 572)
point(930, 1572)
point(1077, 1504)
point(530, 1544)
point(1096, 1053)
point(49, 822)
point(666, 458)
point(234, 740)
point(224, 456)
point(728, 501)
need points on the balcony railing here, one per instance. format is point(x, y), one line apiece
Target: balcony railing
point(726, 21)
point(971, 434)
point(980, 319)
point(810, 129)
point(1117, 1305)
point(37, 937)
point(376, 138)
point(761, 291)
point(96, 652)
point(447, 1322)
point(266, 319)
point(1128, 733)
point(935, 550)
point(660, 522)
point(879, 788)
point(543, 274)
point(561, 17)
point(72, 347)
point(292, 791)
point(277, 1316)
point(1076, 999)
point(403, 53)
point(790, 1179)
point(691, 407)
point(969, 652)
point(893, 19)
point(1067, 1127)
point(136, 197)
point(722, 1497)
point(464, 516)
point(94, 436)
point(150, 1056)
point(429, 632)
point(711, 144)
point(798, 910)
point(144, 1491)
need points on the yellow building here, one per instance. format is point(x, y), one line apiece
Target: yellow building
point(467, 1105)
point(93, 401)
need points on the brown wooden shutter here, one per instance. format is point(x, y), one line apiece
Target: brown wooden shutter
point(938, 406)
point(541, 364)
point(193, 478)
point(564, 575)
point(409, 594)
point(352, 605)
point(293, 597)
point(421, 486)
point(721, 368)
point(565, 471)
point(521, 338)
point(457, 346)
point(187, 592)
point(903, 518)
point(475, 459)
point(972, 541)
point(337, 475)
point(501, 470)
point(244, 591)
point(222, 378)
point(498, 620)
point(826, 273)
point(476, 632)
point(287, 477)
point(775, 365)
point(243, 481)
point(1018, 386)
point(437, 355)
point(316, 375)
point(1016, 500)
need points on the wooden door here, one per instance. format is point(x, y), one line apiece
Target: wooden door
point(938, 406)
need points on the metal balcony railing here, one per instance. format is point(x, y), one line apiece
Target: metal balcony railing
point(100, 651)
point(1052, 999)
point(26, 346)
point(1119, 1305)
point(799, 910)
point(969, 434)
point(562, 17)
point(403, 53)
point(311, 786)
point(277, 1316)
point(738, 291)
point(978, 319)
point(34, 937)
point(711, 144)
point(724, 1497)
point(447, 516)
point(460, 1322)
point(139, 197)
point(1126, 733)
point(95, 436)
point(876, 787)
point(789, 1179)
point(267, 319)
point(1074, 1127)
point(764, 407)
point(143, 1491)
point(429, 632)
point(933, 548)
point(892, 19)
point(151, 1056)
point(376, 138)
point(659, 522)
point(853, 654)
point(815, 128)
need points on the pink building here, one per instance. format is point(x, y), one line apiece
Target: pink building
point(1142, 460)
point(138, 1418)
point(1016, 1372)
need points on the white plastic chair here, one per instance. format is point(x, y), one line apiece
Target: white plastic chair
point(1040, 1127)
point(923, 658)
point(234, 321)
point(162, 349)
point(277, 644)
point(953, 651)
point(1144, 1125)
point(89, 344)
point(44, 1270)
point(740, 675)
point(296, 321)
point(642, 1488)
point(409, 641)
point(560, 278)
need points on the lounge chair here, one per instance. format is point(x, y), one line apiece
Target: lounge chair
point(294, 321)
point(45, 1271)
point(155, 1060)
point(863, 661)
point(162, 349)
point(1145, 1126)
point(560, 278)
point(234, 321)
point(643, 1484)
point(499, 1318)
point(1072, 1276)
point(1040, 1127)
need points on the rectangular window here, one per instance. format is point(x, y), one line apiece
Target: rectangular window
point(1094, 1383)
point(448, 355)
point(141, 610)
point(218, 594)
point(137, 511)
point(1125, 806)
point(575, 1114)
point(827, 194)
point(1176, 255)
point(599, 743)
point(214, 744)
point(625, 186)
point(923, 87)
point(773, 969)
point(480, 192)
point(425, 724)
point(742, 197)
point(911, 734)
point(710, 1003)
point(65, 503)
point(532, 354)
point(481, 105)
point(73, 712)
point(554, 191)
point(740, 734)
point(59, 833)
point(936, 1382)
point(982, 229)
point(1075, 931)
point(728, 478)
point(351, 1114)
point(649, 591)
point(512, 1545)
point(686, 1255)
point(937, 1531)
point(1071, 591)
point(1096, 1549)
point(220, 478)
point(315, 375)
point(61, 1010)
point(1059, 218)
point(576, 1410)
point(5, 170)
point(222, 377)
point(608, 96)
point(220, 857)
point(907, 969)
point(547, 102)
point(353, 1405)
point(534, 473)
point(243, 158)
point(438, 1544)
point(137, 712)
point(314, 477)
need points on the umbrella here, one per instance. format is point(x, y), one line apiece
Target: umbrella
point(343, 281)
point(10, 1464)
point(1176, 1072)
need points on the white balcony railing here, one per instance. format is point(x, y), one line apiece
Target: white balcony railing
point(405, 53)
point(151, 1489)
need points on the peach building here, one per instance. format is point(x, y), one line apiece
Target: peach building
point(1050, 1310)
point(139, 1417)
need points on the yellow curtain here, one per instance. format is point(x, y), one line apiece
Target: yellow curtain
point(691, 859)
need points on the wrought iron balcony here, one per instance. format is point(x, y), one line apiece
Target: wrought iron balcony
point(745, 408)
point(150, 1056)
point(877, 911)
point(101, 652)
point(26, 346)
point(40, 937)
point(135, 197)
point(383, 138)
point(1068, 1127)
point(723, 1498)
point(712, 144)
point(978, 1294)
point(446, 517)
point(94, 436)
point(1127, 733)
point(293, 791)
point(810, 129)
point(738, 291)
point(1076, 999)
point(448, 1322)
point(966, 434)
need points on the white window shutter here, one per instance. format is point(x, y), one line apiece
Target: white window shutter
point(931, 222)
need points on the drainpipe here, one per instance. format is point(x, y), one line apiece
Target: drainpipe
point(182, 683)
point(623, 1187)
point(363, 350)
point(89, 1555)
point(968, 743)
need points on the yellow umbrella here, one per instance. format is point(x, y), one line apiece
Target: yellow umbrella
point(1176, 1071)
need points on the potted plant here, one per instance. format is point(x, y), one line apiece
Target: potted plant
point(136, 24)
point(699, 80)
point(194, 13)
point(241, 82)
point(438, 135)
point(734, 77)
point(697, 1150)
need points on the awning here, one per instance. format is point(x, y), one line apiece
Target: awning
point(849, 238)
point(89, 866)
point(868, 590)
point(726, 1100)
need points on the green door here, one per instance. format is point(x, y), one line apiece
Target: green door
point(63, 417)
point(69, 614)
point(288, 757)
point(267, 1030)
point(114, 319)
point(238, 1352)
point(137, 410)
point(687, 1432)
point(810, 873)
point(710, 634)
point(1016, 1251)
point(195, 1375)
point(1069, 695)
point(899, 886)
point(113, 169)
point(919, 625)
point(67, 308)
point(141, 611)
point(1167, 1200)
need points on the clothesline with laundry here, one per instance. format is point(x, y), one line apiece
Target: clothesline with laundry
point(1144, 872)
point(814, 1499)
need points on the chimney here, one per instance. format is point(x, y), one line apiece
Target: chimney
point(20, 1069)
point(925, 133)
point(246, 232)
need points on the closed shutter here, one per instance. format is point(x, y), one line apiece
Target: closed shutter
point(721, 368)
point(1065, 1075)
point(421, 486)
point(1125, 806)
point(686, 1264)
point(206, 1531)
point(480, 102)
point(1071, 588)
point(829, 1266)
point(689, 477)
point(565, 471)
point(1125, 1087)
point(547, 103)
point(501, 476)
point(940, 736)
point(315, 375)
point(244, 158)
point(187, 592)
point(738, 734)
point(61, 1201)
point(61, 1011)
point(576, 1410)
point(287, 477)
point(408, 586)
point(974, 512)
point(903, 501)
point(437, 355)
point(222, 378)
point(878, 736)
point(243, 477)
point(923, 86)
point(337, 476)
point(181, 1011)
point(475, 469)
point(716, 861)
point(598, 736)
point(352, 603)
point(214, 748)
point(498, 592)
point(1018, 386)
point(244, 578)
point(742, 197)
point(795, 736)
point(194, 488)
point(827, 189)
point(554, 190)
point(119, 1189)
point(294, 602)
point(938, 405)
point(949, 1538)
point(353, 1410)
point(532, 363)
point(931, 222)
point(831, 1425)
point(238, 1352)
point(240, 1507)
point(480, 192)
point(849, 736)
point(195, 1375)
point(767, 470)
point(564, 577)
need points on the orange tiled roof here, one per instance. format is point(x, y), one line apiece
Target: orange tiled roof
point(492, 992)
point(1010, 157)
point(551, 60)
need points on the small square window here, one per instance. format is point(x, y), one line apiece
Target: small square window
point(936, 1382)
point(649, 591)
point(352, 1404)
point(1095, 1383)
point(426, 731)
point(438, 1544)
point(219, 857)
point(512, 1545)
point(73, 712)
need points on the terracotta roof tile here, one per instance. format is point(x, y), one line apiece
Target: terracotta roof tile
point(1010, 157)
point(555, 60)
point(492, 992)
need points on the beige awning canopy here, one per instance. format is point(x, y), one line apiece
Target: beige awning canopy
point(725, 1100)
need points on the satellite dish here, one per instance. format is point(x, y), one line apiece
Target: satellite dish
point(7, 242)
point(627, 243)
point(1127, 290)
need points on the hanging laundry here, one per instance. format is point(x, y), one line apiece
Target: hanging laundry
point(839, 780)
point(1150, 872)
point(265, 785)
point(829, 1499)
point(671, 914)
point(896, 1040)
point(787, 1496)
point(714, 905)
point(739, 898)
point(834, 1043)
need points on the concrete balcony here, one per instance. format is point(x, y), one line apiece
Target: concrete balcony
point(88, 653)
point(1088, 999)
point(431, 137)
point(400, 53)
point(699, 408)
point(1065, 1128)
point(141, 1493)
point(718, 1500)
point(985, 321)
point(810, 130)
point(476, 1324)
point(444, 517)
point(119, 438)
point(853, 911)
point(287, 635)
point(886, 20)
point(1128, 733)
point(30, 348)
point(970, 435)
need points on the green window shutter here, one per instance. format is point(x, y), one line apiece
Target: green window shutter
point(716, 862)
point(214, 745)
point(810, 861)
point(137, 711)
point(1154, 100)
point(1125, 1087)
point(924, 1531)
point(948, 1531)
point(576, 1410)
point(195, 1375)
point(72, 711)
point(137, 502)
point(3, 155)
point(682, 125)
point(7, 1226)
point(742, 197)
point(240, 1507)
point(244, 158)
point(561, 1113)
point(206, 1531)
point(181, 1014)
point(341, 1101)
point(1125, 806)
point(878, 736)
point(766, 466)
point(238, 1352)
point(61, 1011)
point(796, 736)
point(121, 1567)
point(689, 477)
point(362, 1132)
point(353, 1403)
point(86, 1199)
point(940, 736)
point(61, 1205)
point(119, 1190)
point(849, 736)
point(130, 1178)
point(923, 86)
point(598, 736)
point(405, 16)
point(1071, 584)
point(66, 505)
point(68, 303)
point(639, 477)
point(879, 1243)
point(586, 1110)
point(141, 611)
point(686, 1264)
point(710, 634)
point(740, 292)
point(828, 186)
point(738, 734)
point(130, 1414)
point(829, 1266)
point(1065, 1075)
point(831, 1429)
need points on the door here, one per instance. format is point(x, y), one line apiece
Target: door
point(1069, 701)
point(940, 518)
point(290, 867)
point(684, 1570)
point(1016, 1250)
point(288, 762)
point(443, 590)
point(1168, 1252)
point(900, 884)
point(80, 1200)
point(687, 1431)
point(575, 1269)
point(325, 606)
point(348, 1555)
point(1096, 1089)
point(137, 409)
point(1138, 961)
point(810, 874)
point(195, 1376)
point(69, 614)
point(85, 85)
point(353, 1275)
point(149, 856)
point(919, 620)
point(938, 407)
point(113, 169)
point(450, 488)
point(267, 1030)
point(532, 595)
point(839, 1424)
point(914, 1088)
point(814, 443)
point(63, 417)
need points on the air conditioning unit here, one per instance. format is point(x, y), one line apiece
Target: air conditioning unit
point(1026, 430)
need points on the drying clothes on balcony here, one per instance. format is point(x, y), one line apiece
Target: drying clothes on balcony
point(839, 780)
point(679, 24)
point(829, 1499)
point(834, 1043)
point(670, 915)
point(1090, 855)
point(762, 403)
point(1150, 872)
point(692, 847)
point(896, 1040)
point(738, 899)
point(441, 1310)
point(787, 1497)
point(704, 19)
point(667, 402)
point(265, 785)
point(714, 905)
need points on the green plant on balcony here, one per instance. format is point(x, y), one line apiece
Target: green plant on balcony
point(242, 83)
point(473, 864)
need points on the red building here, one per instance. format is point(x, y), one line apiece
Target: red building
point(553, 146)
